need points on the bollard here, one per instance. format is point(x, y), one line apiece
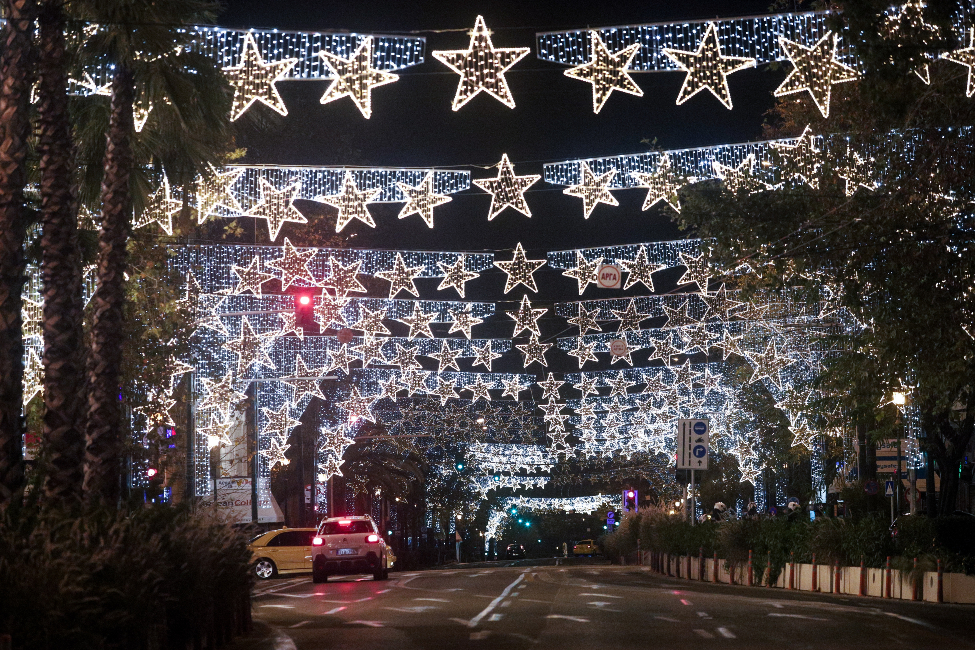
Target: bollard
point(700, 563)
point(836, 577)
point(751, 570)
point(792, 569)
point(714, 572)
point(914, 582)
point(863, 579)
point(887, 590)
point(688, 567)
point(815, 575)
point(768, 570)
point(941, 589)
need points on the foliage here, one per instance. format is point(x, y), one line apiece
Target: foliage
point(130, 578)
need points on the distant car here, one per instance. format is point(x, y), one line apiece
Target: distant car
point(287, 550)
point(515, 552)
point(585, 547)
point(346, 545)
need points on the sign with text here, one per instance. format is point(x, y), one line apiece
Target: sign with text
point(609, 276)
point(692, 444)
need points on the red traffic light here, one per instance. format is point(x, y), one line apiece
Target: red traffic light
point(631, 494)
point(304, 299)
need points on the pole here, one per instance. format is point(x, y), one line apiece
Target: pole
point(693, 508)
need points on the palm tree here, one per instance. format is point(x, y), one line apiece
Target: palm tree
point(15, 66)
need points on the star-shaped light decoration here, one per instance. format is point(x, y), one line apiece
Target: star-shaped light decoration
point(253, 80)
point(371, 349)
point(520, 270)
point(445, 390)
point(389, 387)
point(513, 386)
point(698, 271)
point(421, 200)
point(305, 381)
point(856, 172)
point(159, 209)
point(585, 272)
point(587, 385)
point(749, 473)
point(214, 191)
point(507, 190)
point(174, 370)
point(550, 387)
point(585, 352)
point(221, 395)
point(484, 355)
point(629, 318)
point(620, 384)
point(328, 312)
point(666, 351)
point(966, 57)
point(593, 189)
point(585, 320)
point(740, 179)
point(679, 317)
point(293, 265)
point(534, 351)
point(355, 77)
point(815, 70)
point(801, 160)
point(794, 404)
point(156, 412)
point(414, 381)
point(463, 321)
point(640, 269)
point(479, 389)
point(359, 406)
point(662, 185)
point(419, 322)
point(275, 452)
point(218, 432)
point(401, 277)
point(768, 364)
point(343, 278)
point(606, 71)
point(249, 348)
point(481, 67)
point(334, 441)
point(719, 304)
point(446, 357)
point(455, 275)
point(698, 337)
point(371, 322)
point(526, 318)
point(251, 277)
point(328, 467)
point(622, 353)
point(340, 359)
point(909, 24)
point(803, 434)
point(279, 421)
point(33, 380)
point(404, 357)
point(351, 203)
point(277, 207)
point(707, 68)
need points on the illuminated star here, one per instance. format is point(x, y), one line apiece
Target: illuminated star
point(585, 272)
point(606, 72)
point(815, 70)
point(251, 277)
point(371, 349)
point(279, 421)
point(173, 369)
point(340, 358)
point(329, 467)
point(640, 270)
point(389, 387)
point(328, 311)
point(221, 395)
point(526, 318)
point(218, 432)
point(305, 381)
point(481, 67)
point(720, 304)
point(679, 317)
point(464, 321)
point(507, 190)
point(371, 322)
point(802, 159)
point(857, 172)
point(335, 441)
point(33, 376)
point(213, 191)
point(404, 357)
point(629, 318)
point(662, 185)
point(445, 390)
point(421, 200)
point(966, 57)
point(593, 189)
point(534, 351)
point(446, 357)
point(160, 209)
point(513, 387)
point(401, 277)
point(707, 68)
point(351, 203)
point(479, 389)
point(741, 178)
point(586, 320)
point(520, 270)
point(275, 452)
point(253, 80)
point(355, 77)
point(484, 355)
point(455, 275)
point(277, 207)
point(624, 354)
point(749, 473)
point(343, 278)
point(294, 265)
point(359, 406)
point(414, 381)
point(419, 322)
point(910, 21)
point(249, 348)
point(803, 435)
point(585, 352)
point(550, 386)
point(768, 364)
point(698, 271)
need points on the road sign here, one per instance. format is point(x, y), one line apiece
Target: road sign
point(618, 347)
point(888, 488)
point(692, 444)
point(871, 487)
point(609, 276)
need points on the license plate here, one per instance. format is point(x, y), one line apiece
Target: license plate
point(346, 551)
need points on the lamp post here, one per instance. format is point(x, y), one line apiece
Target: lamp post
point(899, 399)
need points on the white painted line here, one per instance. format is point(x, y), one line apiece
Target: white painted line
point(497, 601)
point(726, 633)
point(532, 600)
point(577, 619)
point(601, 595)
point(334, 611)
point(506, 603)
point(808, 618)
point(703, 615)
point(300, 623)
point(434, 600)
point(368, 623)
point(459, 620)
point(667, 618)
point(496, 617)
point(281, 641)
point(480, 636)
point(704, 634)
point(384, 591)
point(909, 619)
point(599, 603)
point(419, 609)
point(280, 606)
point(297, 595)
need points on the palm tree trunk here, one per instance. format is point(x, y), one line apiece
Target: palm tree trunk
point(104, 434)
point(15, 66)
point(64, 378)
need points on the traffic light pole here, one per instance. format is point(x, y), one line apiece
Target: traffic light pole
point(693, 499)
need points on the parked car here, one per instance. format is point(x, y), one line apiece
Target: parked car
point(287, 550)
point(585, 547)
point(347, 545)
point(514, 552)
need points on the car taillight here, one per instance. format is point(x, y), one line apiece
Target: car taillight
point(317, 541)
point(372, 539)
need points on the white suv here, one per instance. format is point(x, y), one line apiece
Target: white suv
point(347, 545)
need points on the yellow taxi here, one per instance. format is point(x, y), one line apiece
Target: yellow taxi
point(282, 551)
point(585, 547)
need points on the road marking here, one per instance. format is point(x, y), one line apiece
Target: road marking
point(668, 619)
point(281, 641)
point(280, 606)
point(909, 619)
point(704, 634)
point(368, 623)
point(601, 595)
point(577, 619)
point(275, 589)
point(300, 623)
point(497, 601)
point(419, 609)
point(334, 611)
point(384, 591)
point(703, 615)
point(685, 602)
point(496, 617)
point(599, 603)
point(506, 603)
point(480, 636)
point(297, 595)
point(726, 633)
point(808, 618)
point(434, 600)
point(532, 600)
point(459, 620)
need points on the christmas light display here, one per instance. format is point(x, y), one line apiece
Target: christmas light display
point(909, 23)
point(253, 80)
point(802, 159)
point(534, 351)
point(251, 277)
point(520, 270)
point(707, 68)
point(213, 192)
point(585, 272)
point(401, 278)
point(481, 67)
point(351, 203)
point(293, 266)
point(606, 72)
point(662, 185)
point(526, 318)
point(593, 189)
point(507, 190)
point(276, 207)
point(159, 209)
point(456, 276)
point(965, 56)
point(355, 77)
point(815, 70)
point(421, 200)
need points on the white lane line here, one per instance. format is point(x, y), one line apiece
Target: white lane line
point(280, 606)
point(506, 603)
point(434, 600)
point(281, 641)
point(601, 595)
point(419, 609)
point(275, 589)
point(667, 618)
point(480, 636)
point(496, 617)
point(704, 634)
point(300, 623)
point(577, 619)
point(599, 603)
point(532, 600)
point(802, 616)
point(909, 619)
point(384, 591)
point(334, 611)
point(726, 633)
point(459, 620)
point(297, 595)
point(367, 623)
point(497, 601)
point(703, 615)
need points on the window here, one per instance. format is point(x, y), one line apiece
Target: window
point(292, 538)
point(353, 527)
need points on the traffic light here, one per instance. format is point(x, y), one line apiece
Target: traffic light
point(631, 501)
point(459, 464)
point(305, 310)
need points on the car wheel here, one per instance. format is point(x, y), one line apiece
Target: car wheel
point(265, 569)
point(318, 575)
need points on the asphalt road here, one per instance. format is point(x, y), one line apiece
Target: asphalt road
point(587, 607)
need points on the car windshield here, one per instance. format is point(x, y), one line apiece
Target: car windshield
point(336, 527)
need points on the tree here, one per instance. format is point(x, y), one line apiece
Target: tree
point(15, 76)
